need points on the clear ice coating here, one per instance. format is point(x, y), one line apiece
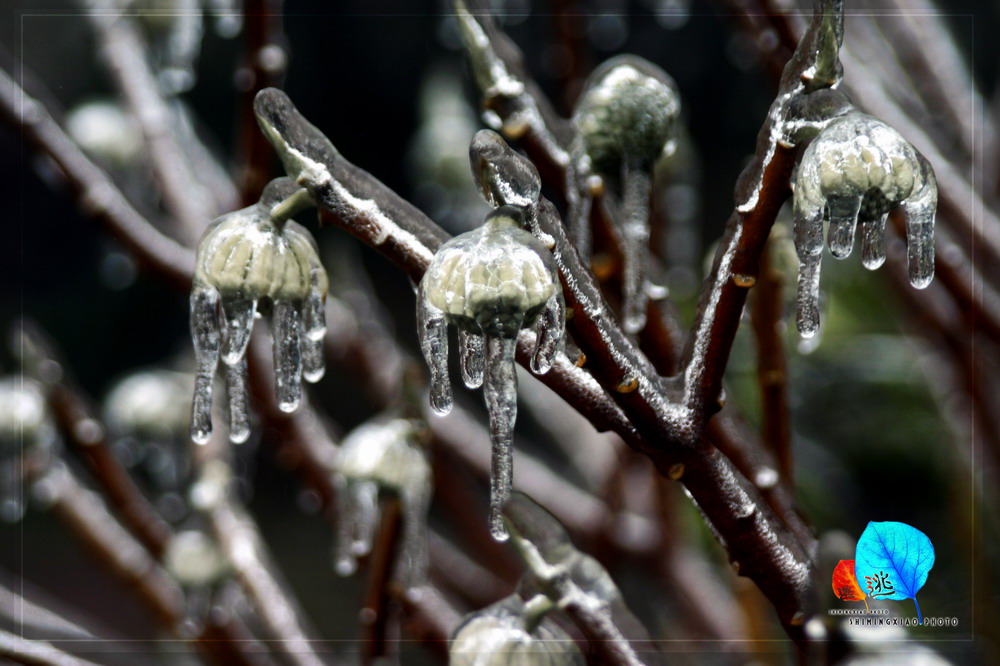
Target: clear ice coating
point(569, 577)
point(490, 283)
point(625, 120)
point(512, 631)
point(250, 261)
point(500, 392)
point(472, 357)
point(856, 170)
point(384, 454)
point(205, 333)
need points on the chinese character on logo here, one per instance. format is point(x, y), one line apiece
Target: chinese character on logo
point(879, 585)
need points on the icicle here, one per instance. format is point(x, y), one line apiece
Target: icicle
point(357, 521)
point(918, 212)
point(843, 219)
point(501, 405)
point(808, 236)
point(549, 330)
point(433, 333)
point(873, 243)
point(472, 351)
point(314, 314)
point(638, 185)
point(205, 332)
point(807, 311)
point(313, 363)
point(413, 554)
point(239, 405)
point(287, 330)
point(239, 315)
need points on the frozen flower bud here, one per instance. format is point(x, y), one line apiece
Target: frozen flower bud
point(857, 169)
point(194, 559)
point(255, 260)
point(105, 131)
point(511, 632)
point(490, 283)
point(25, 427)
point(625, 117)
point(626, 114)
point(148, 416)
point(149, 405)
point(383, 455)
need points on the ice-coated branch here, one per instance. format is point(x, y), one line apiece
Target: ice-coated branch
point(761, 190)
point(243, 548)
point(574, 582)
point(644, 415)
point(124, 55)
point(514, 103)
point(35, 652)
point(96, 193)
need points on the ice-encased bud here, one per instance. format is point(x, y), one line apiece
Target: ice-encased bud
point(626, 114)
point(560, 571)
point(490, 283)
point(194, 559)
point(256, 260)
point(495, 280)
point(148, 416)
point(106, 132)
point(25, 426)
point(506, 633)
point(503, 176)
point(385, 454)
point(857, 169)
point(625, 118)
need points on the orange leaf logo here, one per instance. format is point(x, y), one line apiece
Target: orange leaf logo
point(845, 583)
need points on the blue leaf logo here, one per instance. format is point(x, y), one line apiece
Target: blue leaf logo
point(892, 561)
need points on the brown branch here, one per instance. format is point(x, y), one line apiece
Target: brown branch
point(264, 61)
point(96, 193)
point(377, 610)
point(89, 439)
point(124, 54)
point(87, 516)
point(772, 370)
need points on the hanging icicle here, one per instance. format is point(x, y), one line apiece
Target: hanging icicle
point(625, 118)
point(857, 169)
point(490, 283)
point(256, 261)
point(383, 455)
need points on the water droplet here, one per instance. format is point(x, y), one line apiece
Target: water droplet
point(676, 471)
point(744, 280)
point(765, 478)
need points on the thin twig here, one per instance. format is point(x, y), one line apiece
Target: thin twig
point(772, 371)
point(87, 516)
point(36, 653)
point(125, 56)
point(264, 61)
point(95, 191)
point(243, 546)
point(377, 609)
point(89, 439)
